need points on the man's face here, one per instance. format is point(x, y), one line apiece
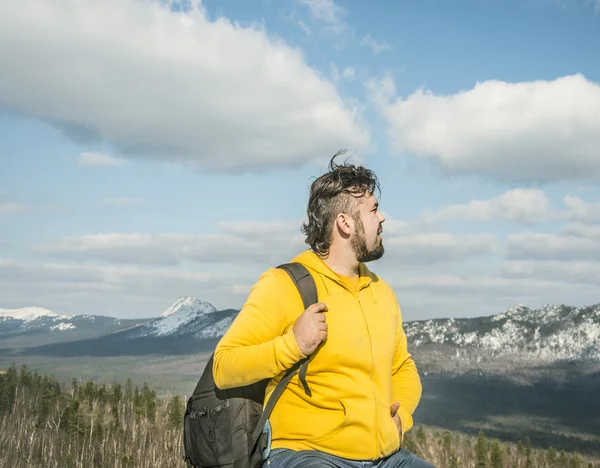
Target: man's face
point(366, 239)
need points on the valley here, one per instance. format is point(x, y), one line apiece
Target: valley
point(502, 374)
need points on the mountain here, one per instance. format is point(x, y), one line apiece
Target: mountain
point(27, 314)
point(189, 326)
point(188, 317)
point(35, 326)
point(550, 333)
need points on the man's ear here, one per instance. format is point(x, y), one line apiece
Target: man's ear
point(344, 223)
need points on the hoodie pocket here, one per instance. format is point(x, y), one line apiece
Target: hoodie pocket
point(333, 431)
point(389, 437)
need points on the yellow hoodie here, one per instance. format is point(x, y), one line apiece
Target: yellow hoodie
point(354, 376)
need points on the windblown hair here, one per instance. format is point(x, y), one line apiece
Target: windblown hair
point(333, 193)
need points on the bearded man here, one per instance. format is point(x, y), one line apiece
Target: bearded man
point(364, 383)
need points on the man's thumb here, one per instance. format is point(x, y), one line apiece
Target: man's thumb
point(394, 408)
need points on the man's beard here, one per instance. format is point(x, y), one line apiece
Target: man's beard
point(359, 245)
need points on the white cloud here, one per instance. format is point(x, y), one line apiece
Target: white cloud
point(456, 284)
point(175, 86)
point(348, 73)
point(11, 207)
point(582, 231)
point(240, 244)
point(543, 246)
point(98, 159)
point(528, 131)
point(122, 201)
point(328, 12)
point(121, 291)
point(572, 271)
point(466, 294)
point(581, 211)
point(432, 248)
point(259, 244)
point(100, 277)
point(520, 205)
point(376, 46)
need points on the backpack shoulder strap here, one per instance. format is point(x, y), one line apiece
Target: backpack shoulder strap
point(308, 291)
point(304, 282)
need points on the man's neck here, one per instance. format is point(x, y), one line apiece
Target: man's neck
point(344, 265)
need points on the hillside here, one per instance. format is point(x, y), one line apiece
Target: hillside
point(47, 423)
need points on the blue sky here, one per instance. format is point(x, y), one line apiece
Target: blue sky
point(149, 151)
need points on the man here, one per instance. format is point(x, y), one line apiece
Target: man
point(364, 384)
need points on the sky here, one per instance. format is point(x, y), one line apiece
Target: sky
point(155, 149)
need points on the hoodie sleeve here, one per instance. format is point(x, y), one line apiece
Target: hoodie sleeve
point(406, 383)
point(260, 342)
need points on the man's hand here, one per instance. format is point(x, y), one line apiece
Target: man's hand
point(310, 328)
point(396, 417)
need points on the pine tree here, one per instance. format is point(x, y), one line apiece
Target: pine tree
point(149, 402)
point(447, 443)
point(24, 378)
point(138, 407)
point(175, 412)
point(114, 413)
point(551, 456)
point(72, 419)
point(128, 393)
point(97, 422)
point(528, 461)
point(47, 397)
point(421, 437)
point(8, 387)
point(4, 398)
point(89, 392)
point(453, 461)
point(101, 393)
point(481, 451)
point(576, 461)
point(497, 455)
point(74, 387)
point(562, 459)
point(116, 394)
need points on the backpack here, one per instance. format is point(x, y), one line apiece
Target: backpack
point(225, 428)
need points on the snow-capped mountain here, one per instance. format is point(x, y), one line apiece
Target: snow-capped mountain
point(190, 317)
point(27, 314)
point(33, 319)
point(551, 332)
point(33, 326)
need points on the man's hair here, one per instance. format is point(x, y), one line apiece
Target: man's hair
point(333, 193)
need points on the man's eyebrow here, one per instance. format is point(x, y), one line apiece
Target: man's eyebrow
point(376, 204)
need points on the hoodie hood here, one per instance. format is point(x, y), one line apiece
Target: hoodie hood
point(312, 261)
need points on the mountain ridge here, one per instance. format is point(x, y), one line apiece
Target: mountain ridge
point(551, 332)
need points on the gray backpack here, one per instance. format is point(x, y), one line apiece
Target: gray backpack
point(224, 428)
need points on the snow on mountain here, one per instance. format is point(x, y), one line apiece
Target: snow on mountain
point(184, 311)
point(188, 305)
point(63, 326)
point(27, 314)
point(550, 332)
point(218, 326)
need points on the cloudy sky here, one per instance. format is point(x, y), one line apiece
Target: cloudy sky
point(153, 149)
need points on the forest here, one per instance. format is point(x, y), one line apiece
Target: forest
point(46, 423)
